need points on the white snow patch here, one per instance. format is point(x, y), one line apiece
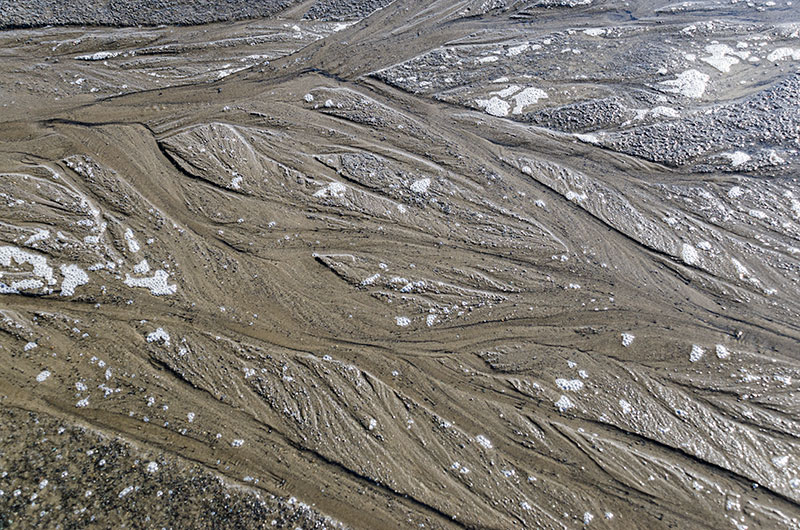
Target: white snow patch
point(22, 257)
point(722, 57)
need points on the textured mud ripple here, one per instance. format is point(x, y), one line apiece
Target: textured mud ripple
point(394, 265)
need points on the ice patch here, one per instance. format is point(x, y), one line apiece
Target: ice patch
point(157, 284)
point(691, 84)
point(74, 277)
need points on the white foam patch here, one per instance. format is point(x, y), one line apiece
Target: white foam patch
point(570, 385)
point(627, 339)
point(494, 106)
point(780, 54)
point(737, 158)
point(157, 283)
point(159, 335)
point(97, 56)
point(691, 84)
point(421, 185)
point(74, 277)
point(334, 189)
point(483, 441)
point(564, 403)
point(40, 235)
point(527, 97)
point(722, 57)
point(142, 267)
point(696, 353)
point(689, 255)
point(22, 257)
point(133, 244)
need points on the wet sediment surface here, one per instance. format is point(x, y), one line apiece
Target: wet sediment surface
point(383, 265)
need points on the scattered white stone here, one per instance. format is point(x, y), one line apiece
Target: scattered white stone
point(29, 346)
point(527, 97)
point(587, 518)
point(625, 406)
point(142, 267)
point(780, 462)
point(152, 467)
point(43, 375)
point(722, 351)
point(40, 235)
point(402, 321)
point(308, 98)
point(82, 403)
point(126, 491)
point(627, 339)
point(237, 443)
point(190, 416)
point(696, 353)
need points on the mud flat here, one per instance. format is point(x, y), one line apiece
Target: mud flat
point(335, 264)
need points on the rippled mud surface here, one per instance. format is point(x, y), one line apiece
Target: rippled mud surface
point(412, 264)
